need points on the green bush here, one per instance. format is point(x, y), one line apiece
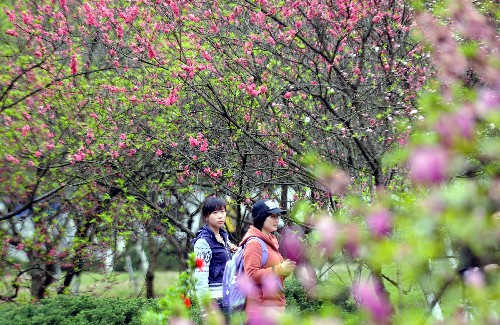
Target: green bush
point(78, 310)
point(297, 299)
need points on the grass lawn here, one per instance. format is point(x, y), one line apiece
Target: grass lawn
point(119, 285)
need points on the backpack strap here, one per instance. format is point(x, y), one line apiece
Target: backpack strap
point(263, 246)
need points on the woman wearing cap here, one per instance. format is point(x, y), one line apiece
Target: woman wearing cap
point(211, 244)
point(267, 298)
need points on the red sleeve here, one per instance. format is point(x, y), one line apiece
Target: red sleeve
point(252, 261)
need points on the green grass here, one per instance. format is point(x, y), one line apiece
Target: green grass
point(119, 284)
point(115, 285)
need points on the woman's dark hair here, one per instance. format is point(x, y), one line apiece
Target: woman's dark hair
point(211, 204)
point(259, 221)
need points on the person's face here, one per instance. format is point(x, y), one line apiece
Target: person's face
point(271, 223)
point(217, 219)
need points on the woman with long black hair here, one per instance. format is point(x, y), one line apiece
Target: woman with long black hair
point(212, 245)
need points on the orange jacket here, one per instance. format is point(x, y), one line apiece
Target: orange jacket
point(269, 285)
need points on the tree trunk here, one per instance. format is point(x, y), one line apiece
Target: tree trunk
point(132, 277)
point(68, 279)
point(40, 280)
point(154, 251)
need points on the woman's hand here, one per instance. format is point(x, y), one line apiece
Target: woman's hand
point(233, 248)
point(286, 267)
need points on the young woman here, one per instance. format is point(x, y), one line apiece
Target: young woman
point(211, 244)
point(267, 300)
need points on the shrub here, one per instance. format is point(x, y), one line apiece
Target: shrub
point(78, 310)
point(298, 300)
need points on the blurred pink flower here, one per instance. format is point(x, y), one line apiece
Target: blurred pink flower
point(380, 223)
point(369, 295)
point(328, 231)
point(474, 278)
point(258, 317)
point(352, 240)
point(337, 182)
point(247, 285)
point(429, 165)
point(488, 101)
point(180, 321)
point(307, 276)
point(271, 285)
point(292, 246)
point(455, 126)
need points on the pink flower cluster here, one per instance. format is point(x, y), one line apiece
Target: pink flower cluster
point(252, 90)
point(199, 141)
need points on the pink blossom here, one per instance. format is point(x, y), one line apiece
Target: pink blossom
point(474, 277)
point(380, 222)
point(292, 245)
point(159, 152)
point(429, 165)
point(206, 55)
point(173, 144)
point(151, 52)
point(455, 127)
point(50, 146)
point(307, 276)
point(193, 18)
point(115, 154)
point(25, 129)
point(194, 157)
point(262, 89)
point(130, 14)
point(175, 8)
point(194, 142)
point(218, 173)
point(352, 238)
point(271, 285)
point(172, 97)
point(204, 145)
point(287, 95)
point(298, 24)
point(247, 117)
point(63, 4)
point(123, 136)
point(180, 321)
point(251, 90)
point(247, 285)
point(281, 163)
point(328, 232)
point(132, 152)
point(488, 101)
point(73, 65)
point(38, 153)
point(337, 182)
point(369, 295)
point(11, 32)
